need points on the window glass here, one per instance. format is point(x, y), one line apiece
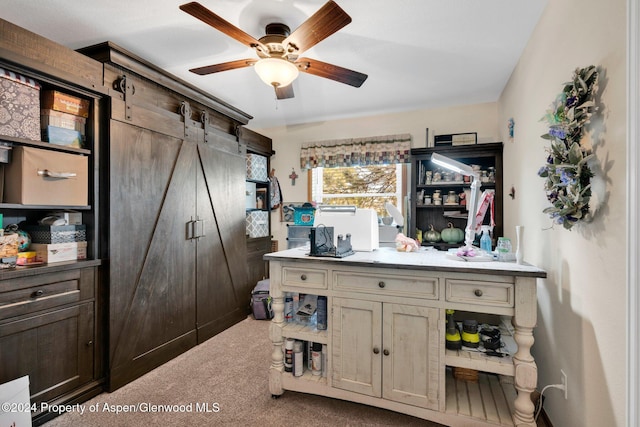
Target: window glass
point(367, 187)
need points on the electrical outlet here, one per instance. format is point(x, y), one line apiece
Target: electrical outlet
point(563, 380)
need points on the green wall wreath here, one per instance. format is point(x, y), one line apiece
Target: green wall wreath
point(566, 172)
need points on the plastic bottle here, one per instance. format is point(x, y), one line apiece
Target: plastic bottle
point(485, 240)
point(288, 307)
point(298, 359)
point(321, 310)
point(504, 249)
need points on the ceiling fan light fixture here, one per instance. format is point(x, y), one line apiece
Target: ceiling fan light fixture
point(276, 72)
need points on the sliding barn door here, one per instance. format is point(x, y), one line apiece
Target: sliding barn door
point(152, 265)
point(221, 261)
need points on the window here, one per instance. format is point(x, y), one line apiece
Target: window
point(367, 187)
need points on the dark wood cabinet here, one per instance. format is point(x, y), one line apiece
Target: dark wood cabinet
point(49, 331)
point(173, 177)
point(51, 316)
point(488, 157)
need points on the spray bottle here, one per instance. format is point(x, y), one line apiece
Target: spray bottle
point(485, 240)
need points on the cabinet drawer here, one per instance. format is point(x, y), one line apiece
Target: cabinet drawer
point(480, 293)
point(45, 291)
point(304, 277)
point(396, 284)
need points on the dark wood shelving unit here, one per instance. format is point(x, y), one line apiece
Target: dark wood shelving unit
point(487, 155)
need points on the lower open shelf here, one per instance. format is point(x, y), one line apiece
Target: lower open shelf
point(490, 399)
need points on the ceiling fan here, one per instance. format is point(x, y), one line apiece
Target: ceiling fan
point(278, 51)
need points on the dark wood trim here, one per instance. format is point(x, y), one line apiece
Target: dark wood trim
point(109, 52)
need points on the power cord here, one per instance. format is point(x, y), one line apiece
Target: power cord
point(558, 386)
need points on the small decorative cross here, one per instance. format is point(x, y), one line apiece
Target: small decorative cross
point(293, 176)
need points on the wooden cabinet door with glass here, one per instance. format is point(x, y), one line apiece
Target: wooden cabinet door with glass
point(439, 197)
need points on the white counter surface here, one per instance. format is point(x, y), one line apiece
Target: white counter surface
point(430, 260)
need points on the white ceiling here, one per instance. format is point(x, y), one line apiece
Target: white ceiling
point(417, 53)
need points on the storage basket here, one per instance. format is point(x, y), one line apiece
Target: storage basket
point(465, 374)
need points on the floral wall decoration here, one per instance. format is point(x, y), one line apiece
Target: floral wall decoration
point(566, 172)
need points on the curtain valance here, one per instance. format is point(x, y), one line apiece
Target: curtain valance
point(375, 150)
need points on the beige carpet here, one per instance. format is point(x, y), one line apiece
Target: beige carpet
point(229, 372)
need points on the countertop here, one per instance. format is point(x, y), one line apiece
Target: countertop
point(424, 259)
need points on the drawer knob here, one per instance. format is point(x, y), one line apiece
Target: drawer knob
point(37, 293)
point(303, 277)
point(381, 284)
point(385, 352)
point(478, 292)
point(90, 343)
point(376, 350)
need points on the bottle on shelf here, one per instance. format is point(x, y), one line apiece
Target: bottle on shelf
point(322, 313)
point(298, 359)
point(485, 240)
point(288, 355)
point(316, 358)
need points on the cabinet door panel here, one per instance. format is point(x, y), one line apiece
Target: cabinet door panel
point(152, 264)
point(411, 369)
point(221, 267)
point(55, 349)
point(356, 336)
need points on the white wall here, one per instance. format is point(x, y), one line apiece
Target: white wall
point(287, 140)
point(581, 324)
point(581, 316)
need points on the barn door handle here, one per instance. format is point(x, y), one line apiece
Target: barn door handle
point(198, 228)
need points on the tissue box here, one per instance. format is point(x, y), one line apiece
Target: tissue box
point(62, 120)
point(58, 252)
point(257, 167)
point(19, 105)
point(56, 233)
point(257, 224)
point(61, 136)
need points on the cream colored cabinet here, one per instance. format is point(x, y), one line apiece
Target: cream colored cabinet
point(385, 338)
point(386, 350)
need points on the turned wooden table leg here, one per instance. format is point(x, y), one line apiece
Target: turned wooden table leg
point(275, 334)
point(526, 370)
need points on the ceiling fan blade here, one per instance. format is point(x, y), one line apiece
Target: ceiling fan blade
point(200, 12)
point(330, 71)
point(225, 66)
point(326, 21)
point(285, 92)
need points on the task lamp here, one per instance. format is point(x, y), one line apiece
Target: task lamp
point(472, 206)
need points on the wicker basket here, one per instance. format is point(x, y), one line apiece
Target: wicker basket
point(9, 245)
point(465, 374)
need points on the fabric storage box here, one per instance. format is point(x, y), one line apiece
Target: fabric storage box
point(59, 119)
point(257, 167)
point(257, 224)
point(65, 103)
point(58, 252)
point(61, 136)
point(56, 233)
point(19, 106)
point(45, 177)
